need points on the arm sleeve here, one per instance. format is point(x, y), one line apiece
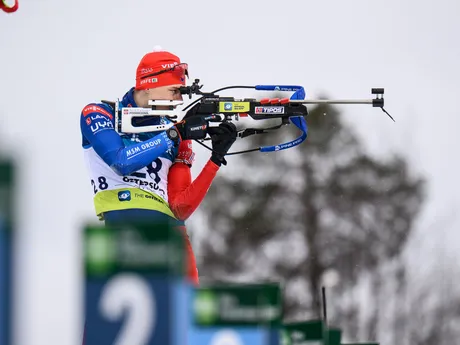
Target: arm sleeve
point(184, 195)
point(97, 127)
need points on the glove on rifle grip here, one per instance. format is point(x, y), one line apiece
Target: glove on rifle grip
point(194, 127)
point(222, 138)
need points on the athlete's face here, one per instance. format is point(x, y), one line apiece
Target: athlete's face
point(170, 92)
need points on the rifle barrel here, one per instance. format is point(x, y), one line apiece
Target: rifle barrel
point(333, 101)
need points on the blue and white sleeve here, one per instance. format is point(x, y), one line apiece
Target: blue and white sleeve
point(97, 127)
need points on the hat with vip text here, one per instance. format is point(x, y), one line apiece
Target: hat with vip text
point(156, 61)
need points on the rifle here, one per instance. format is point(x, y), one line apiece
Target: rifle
point(217, 109)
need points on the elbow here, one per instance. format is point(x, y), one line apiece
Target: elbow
point(121, 169)
point(117, 162)
point(181, 212)
point(182, 217)
point(117, 165)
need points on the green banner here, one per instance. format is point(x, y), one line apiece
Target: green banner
point(7, 197)
point(142, 248)
point(310, 332)
point(334, 336)
point(237, 305)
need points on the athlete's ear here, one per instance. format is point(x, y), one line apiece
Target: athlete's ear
point(148, 94)
point(142, 97)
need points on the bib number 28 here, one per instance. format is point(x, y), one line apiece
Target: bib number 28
point(100, 184)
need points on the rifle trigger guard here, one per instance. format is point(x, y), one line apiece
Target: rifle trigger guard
point(249, 131)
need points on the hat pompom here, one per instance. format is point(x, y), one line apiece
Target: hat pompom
point(158, 49)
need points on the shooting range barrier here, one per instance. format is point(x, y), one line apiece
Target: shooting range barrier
point(136, 293)
point(7, 179)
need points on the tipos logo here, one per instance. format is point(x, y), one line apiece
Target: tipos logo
point(269, 110)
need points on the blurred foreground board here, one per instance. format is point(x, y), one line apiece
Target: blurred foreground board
point(236, 314)
point(7, 180)
point(311, 332)
point(334, 336)
point(135, 291)
point(7, 197)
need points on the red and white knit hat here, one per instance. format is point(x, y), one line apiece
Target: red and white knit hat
point(156, 61)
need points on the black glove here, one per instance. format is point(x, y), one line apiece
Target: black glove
point(222, 138)
point(192, 128)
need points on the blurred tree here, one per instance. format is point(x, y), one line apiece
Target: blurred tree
point(295, 215)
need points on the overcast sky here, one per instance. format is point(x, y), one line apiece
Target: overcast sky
point(57, 56)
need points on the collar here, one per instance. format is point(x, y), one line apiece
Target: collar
point(128, 99)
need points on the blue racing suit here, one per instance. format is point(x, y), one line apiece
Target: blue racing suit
point(128, 172)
